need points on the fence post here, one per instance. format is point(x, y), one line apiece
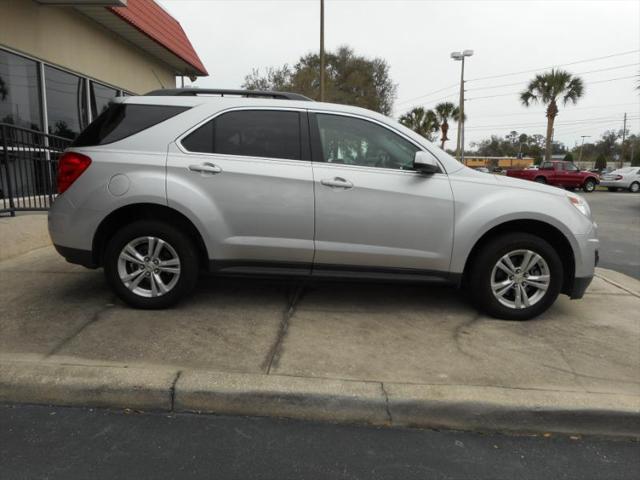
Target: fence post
point(5, 157)
point(50, 185)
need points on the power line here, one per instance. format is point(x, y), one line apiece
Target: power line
point(609, 68)
point(612, 79)
point(590, 83)
point(571, 109)
point(494, 96)
point(553, 66)
point(558, 124)
point(579, 73)
point(431, 101)
point(428, 94)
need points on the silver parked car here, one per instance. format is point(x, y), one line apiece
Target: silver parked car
point(627, 178)
point(162, 186)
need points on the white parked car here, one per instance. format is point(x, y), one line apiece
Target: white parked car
point(627, 178)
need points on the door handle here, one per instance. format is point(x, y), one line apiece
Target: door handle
point(336, 182)
point(205, 168)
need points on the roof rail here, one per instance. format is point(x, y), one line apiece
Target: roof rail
point(222, 92)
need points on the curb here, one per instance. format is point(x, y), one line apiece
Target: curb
point(471, 408)
point(337, 401)
point(619, 280)
point(514, 410)
point(91, 386)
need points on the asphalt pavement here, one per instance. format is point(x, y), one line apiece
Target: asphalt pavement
point(618, 218)
point(74, 443)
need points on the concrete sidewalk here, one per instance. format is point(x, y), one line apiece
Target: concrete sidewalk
point(380, 354)
point(22, 233)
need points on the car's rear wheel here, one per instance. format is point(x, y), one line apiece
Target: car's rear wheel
point(150, 264)
point(589, 185)
point(540, 180)
point(516, 276)
point(634, 187)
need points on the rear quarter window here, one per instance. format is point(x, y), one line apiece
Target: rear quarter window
point(121, 120)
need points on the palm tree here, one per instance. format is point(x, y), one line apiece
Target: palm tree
point(446, 111)
point(423, 122)
point(549, 88)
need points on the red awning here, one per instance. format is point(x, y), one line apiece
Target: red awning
point(154, 22)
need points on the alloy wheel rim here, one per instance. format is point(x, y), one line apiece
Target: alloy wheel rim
point(149, 266)
point(590, 186)
point(520, 279)
point(635, 187)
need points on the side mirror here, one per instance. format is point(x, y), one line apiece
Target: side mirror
point(425, 162)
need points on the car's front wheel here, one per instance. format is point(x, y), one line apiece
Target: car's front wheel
point(150, 264)
point(589, 186)
point(516, 276)
point(634, 187)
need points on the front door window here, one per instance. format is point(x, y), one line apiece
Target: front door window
point(352, 141)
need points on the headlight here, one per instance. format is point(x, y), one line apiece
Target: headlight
point(580, 204)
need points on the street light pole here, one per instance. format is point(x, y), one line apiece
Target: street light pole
point(624, 137)
point(459, 56)
point(322, 50)
point(582, 146)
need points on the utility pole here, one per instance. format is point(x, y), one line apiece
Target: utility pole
point(582, 146)
point(322, 50)
point(459, 153)
point(459, 56)
point(624, 137)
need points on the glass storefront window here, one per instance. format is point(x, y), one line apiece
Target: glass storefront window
point(19, 91)
point(101, 95)
point(66, 102)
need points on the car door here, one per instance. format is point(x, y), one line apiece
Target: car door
point(246, 176)
point(573, 175)
point(374, 214)
point(550, 171)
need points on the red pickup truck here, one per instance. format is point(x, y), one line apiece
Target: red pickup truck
point(560, 174)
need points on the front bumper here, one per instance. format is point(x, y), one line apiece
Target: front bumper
point(580, 284)
point(579, 287)
point(586, 256)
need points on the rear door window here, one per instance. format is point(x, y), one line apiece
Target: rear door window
point(250, 133)
point(121, 120)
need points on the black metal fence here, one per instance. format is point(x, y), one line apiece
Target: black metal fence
point(28, 164)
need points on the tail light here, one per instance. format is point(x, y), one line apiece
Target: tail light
point(70, 167)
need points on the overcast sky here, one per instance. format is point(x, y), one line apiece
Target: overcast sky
point(416, 38)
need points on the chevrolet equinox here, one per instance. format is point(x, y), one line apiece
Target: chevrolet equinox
point(165, 185)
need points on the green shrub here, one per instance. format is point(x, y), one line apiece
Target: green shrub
point(601, 162)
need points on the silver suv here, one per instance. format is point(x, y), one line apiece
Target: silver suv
point(162, 186)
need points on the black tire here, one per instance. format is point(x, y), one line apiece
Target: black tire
point(178, 241)
point(612, 189)
point(490, 253)
point(589, 185)
point(634, 187)
point(540, 180)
